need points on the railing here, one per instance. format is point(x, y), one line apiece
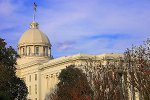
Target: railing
point(35, 54)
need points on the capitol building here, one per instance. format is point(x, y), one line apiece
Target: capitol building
point(36, 65)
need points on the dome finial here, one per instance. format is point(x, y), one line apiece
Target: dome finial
point(34, 8)
point(34, 24)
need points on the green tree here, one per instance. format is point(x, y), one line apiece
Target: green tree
point(11, 87)
point(73, 85)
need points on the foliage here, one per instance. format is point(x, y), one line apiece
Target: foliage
point(4, 96)
point(138, 65)
point(118, 78)
point(10, 84)
point(105, 79)
point(73, 85)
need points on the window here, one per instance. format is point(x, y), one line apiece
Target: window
point(37, 50)
point(43, 51)
point(29, 51)
point(35, 77)
point(46, 51)
point(30, 78)
point(23, 51)
point(30, 90)
point(35, 89)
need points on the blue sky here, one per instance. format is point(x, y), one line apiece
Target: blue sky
point(79, 26)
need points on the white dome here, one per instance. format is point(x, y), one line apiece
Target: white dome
point(34, 36)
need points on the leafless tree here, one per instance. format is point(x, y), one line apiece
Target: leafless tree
point(138, 65)
point(121, 78)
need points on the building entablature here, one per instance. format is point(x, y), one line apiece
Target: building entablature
point(67, 59)
point(75, 58)
point(34, 44)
